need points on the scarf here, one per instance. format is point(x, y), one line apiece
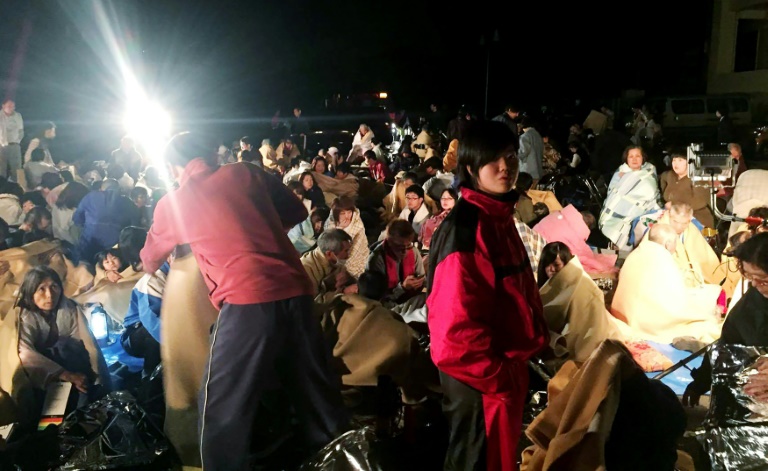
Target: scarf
point(408, 267)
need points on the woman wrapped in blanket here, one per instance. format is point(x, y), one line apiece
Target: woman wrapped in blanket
point(633, 191)
point(54, 341)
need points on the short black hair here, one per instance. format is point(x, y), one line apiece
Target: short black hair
point(101, 256)
point(49, 125)
point(416, 189)
point(524, 182)
point(369, 154)
point(71, 196)
point(37, 214)
point(344, 167)
point(625, 155)
point(526, 122)
point(38, 155)
point(434, 162)
point(32, 280)
point(132, 240)
point(483, 143)
point(754, 251)
point(185, 147)
point(34, 197)
point(549, 254)
point(512, 108)
point(411, 176)
point(139, 191)
point(13, 188)
point(245, 140)
point(67, 176)
point(296, 187)
point(51, 180)
point(320, 214)
point(400, 228)
point(372, 285)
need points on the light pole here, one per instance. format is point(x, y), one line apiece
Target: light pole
point(488, 67)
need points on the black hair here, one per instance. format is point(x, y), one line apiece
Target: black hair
point(511, 108)
point(320, 214)
point(13, 188)
point(38, 155)
point(34, 197)
point(342, 203)
point(372, 285)
point(526, 122)
point(67, 176)
point(110, 184)
point(295, 162)
point(49, 125)
point(245, 140)
point(139, 191)
point(549, 254)
point(34, 235)
point(252, 156)
point(411, 176)
point(132, 240)
point(369, 154)
point(524, 182)
point(71, 196)
point(5, 230)
point(401, 228)
point(32, 280)
point(736, 240)
point(454, 194)
point(37, 214)
point(115, 171)
point(50, 180)
point(185, 147)
point(344, 167)
point(304, 175)
point(296, 187)
point(754, 251)
point(101, 256)
point(419, 191)
point(434, 162)
point(483, 142)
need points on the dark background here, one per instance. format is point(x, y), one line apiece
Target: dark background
point(229, 65)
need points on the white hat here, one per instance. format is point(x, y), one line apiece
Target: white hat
point(333, 150)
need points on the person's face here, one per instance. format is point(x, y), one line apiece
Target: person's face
point(717, 113)
point(433, 108)
point(553, 268)
point(680, 167)
point(345, 218)
point(635, 159)
point(317, 226)
point(679, 223)
point(44, 224)
point(47, 295)
point(50, 133)
point(342, 254)
point(307, 182)
point(27, 206)
point(297, 112)
point(288, 145)
point(341, 175)
point(446, 201)
point(320, 166)
point(431, 171)
point(398, 247)
point(513, 114)
point(9, 107)
point(413, 201)
point(244, 146)
point(756, 276)
point(735, 153)
point(111, 263)
point(499, 176)
point(141, 200)
point(363, 131)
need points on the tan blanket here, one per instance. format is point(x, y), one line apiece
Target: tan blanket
point(546, 197)
point(114, 297)
point(347, 187)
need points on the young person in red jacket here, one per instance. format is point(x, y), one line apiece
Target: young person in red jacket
point(484, 311)
point(235, 218)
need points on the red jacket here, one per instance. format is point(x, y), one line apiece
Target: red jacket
point(379, 171)
point(484, 313)
point(235, 218)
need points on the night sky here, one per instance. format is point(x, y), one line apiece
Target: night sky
point(230, 63)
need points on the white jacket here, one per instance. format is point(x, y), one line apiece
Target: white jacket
point(421, 215)
point(10, 210)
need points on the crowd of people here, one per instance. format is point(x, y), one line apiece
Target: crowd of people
point(454, 238)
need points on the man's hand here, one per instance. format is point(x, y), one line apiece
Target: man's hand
point(114, 276)
point(342, 278)
point(351, 289)
point(412, 283)
point(757, 385)
point(78, 380)
point(690, 396)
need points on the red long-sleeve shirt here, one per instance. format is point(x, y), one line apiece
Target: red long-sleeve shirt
point(235, 218)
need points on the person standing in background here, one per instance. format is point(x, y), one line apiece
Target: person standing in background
point(11, 134)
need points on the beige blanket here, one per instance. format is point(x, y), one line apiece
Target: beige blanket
point(114, 297)
point(347, 187)
point(656, 303)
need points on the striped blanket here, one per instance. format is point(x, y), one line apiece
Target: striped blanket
point(630, 194)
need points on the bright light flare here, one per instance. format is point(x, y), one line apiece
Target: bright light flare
point(150, 127)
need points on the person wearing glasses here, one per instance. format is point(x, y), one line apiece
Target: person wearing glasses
point(484, 311)
point(447, 202)
point(399, 260)
point(415, 211)
point(746, 324)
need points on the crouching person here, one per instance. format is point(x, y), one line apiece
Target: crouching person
point(325, 264)
point(55, 343)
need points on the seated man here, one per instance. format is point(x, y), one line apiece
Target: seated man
point(325, 264)
point(652, 296)
point(36, 168)
point(415, 211)
point(399, 260)
point(379, 172)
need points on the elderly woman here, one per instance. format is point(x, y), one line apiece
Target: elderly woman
point(360, 143)
point(676, 187)
point(574, 306)
point(633, 191)
point(54, 341)
point(345, 216)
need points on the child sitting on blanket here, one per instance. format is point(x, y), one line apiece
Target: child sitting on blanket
point(111, 262)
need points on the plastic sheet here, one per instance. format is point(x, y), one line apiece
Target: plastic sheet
point(113, 432)
point(349, 452)
point(735, 432)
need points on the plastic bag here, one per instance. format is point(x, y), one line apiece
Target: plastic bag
point(349, 452)
point(735, 432)
point(112, 432)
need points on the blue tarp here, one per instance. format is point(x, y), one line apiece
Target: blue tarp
point(680, 379)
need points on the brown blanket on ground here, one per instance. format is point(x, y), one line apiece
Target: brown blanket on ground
point(369, 340)
point(187, 316)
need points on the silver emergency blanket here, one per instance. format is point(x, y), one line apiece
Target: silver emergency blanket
point(113, 432)
point(735, 432)
point(349, 452)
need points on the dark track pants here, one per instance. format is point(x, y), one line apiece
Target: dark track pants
point(263, 347)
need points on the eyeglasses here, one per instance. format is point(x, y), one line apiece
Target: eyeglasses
point(412, 198)
point(446, 199)
point(755, 280)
